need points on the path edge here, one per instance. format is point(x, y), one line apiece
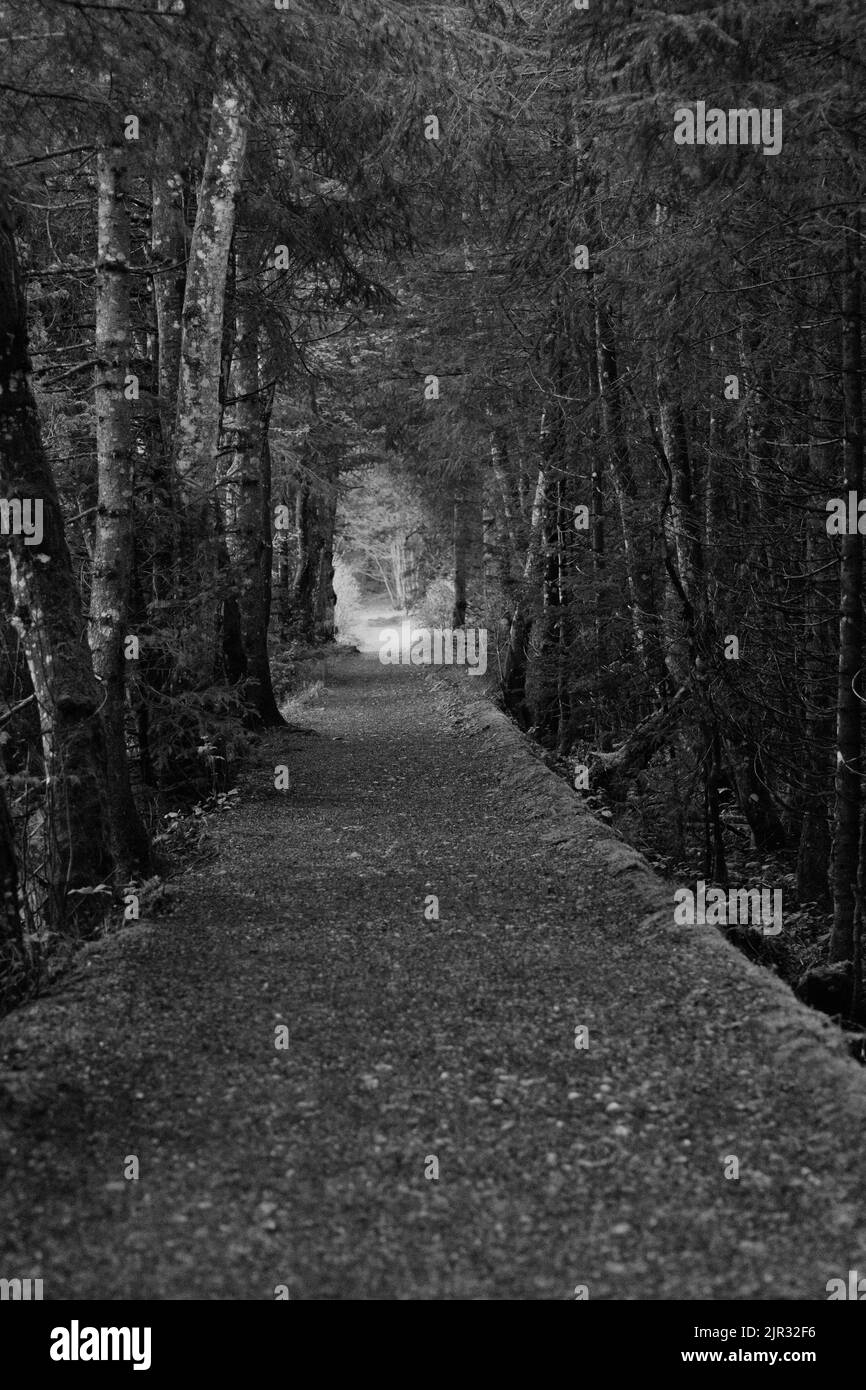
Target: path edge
point(802, 1040)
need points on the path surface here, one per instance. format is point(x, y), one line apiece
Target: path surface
point(412, 1038)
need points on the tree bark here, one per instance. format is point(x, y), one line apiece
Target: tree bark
point(637, 564)
point(310, 541)
point(48, 616)
point(848, 720)
point(197, 419)
point(12, 950)
point(249, 530)
point(112, 543)
point(814, 854)
point(461, 557)
point(325, 600)
point(514, 675)
point(197, 423)
point(168, 252)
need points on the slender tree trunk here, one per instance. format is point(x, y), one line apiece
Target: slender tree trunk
point(848, 720)
point(47, 614)
point(756, 521)
point(491, 546)
point(310, 543)
point(813, 858)
point(503, 503)
point(113, 545)
point(168, 252)
point(12, 952)
point(461, 558)
point(499, 466)
point(599, 565)
point(284, 574)
point(550, 683)
point(397, 566)
point(514, 675)
point(249, 529)
point(563, 544)
point(326, 599)
point(637, 565)
point(682, 511)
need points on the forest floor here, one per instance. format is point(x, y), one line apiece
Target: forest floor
point(413, 1039)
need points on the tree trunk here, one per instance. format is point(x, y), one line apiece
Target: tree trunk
point(503, 505)
point(309, 549)
point(637, 564)
point(197, 425)
point(168, 252)
point(814, 855)
point(12, 951)
point(848, 723)
point(112, 543)
point(284, 573)
point(461, 557)
point(682, 511)
point(325, 599)
point(514, 675)
point(47, 614)
point(249, 531)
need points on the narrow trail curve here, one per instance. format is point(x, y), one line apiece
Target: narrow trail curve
point(409, 1038)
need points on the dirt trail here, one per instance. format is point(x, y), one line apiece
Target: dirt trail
point(413, 1039)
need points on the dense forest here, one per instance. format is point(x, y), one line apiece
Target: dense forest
point(543, 318)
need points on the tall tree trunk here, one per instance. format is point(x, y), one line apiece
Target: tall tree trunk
point(309, 549)
point(249, 530)
point(504, 505)
point(168, 252)
point(197, 426)
point(682, 511)
point(460, 541)
point(550, 683)
point(48, 616)
point(714, 491)
point(284, 572)
point(599, 565)
point(325, 600)
point(637, 564)
point(756, 521)
point(112, 544)
point(848, 721)
point(514, 674)
point(12, 951)
point(813, 858)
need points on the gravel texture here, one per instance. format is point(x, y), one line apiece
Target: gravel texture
point(413, 1039)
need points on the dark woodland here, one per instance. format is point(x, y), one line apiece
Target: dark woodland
point(531, 323)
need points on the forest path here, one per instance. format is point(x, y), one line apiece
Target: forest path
point(409, 1038)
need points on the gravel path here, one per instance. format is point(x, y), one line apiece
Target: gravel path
point(413, 1039)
